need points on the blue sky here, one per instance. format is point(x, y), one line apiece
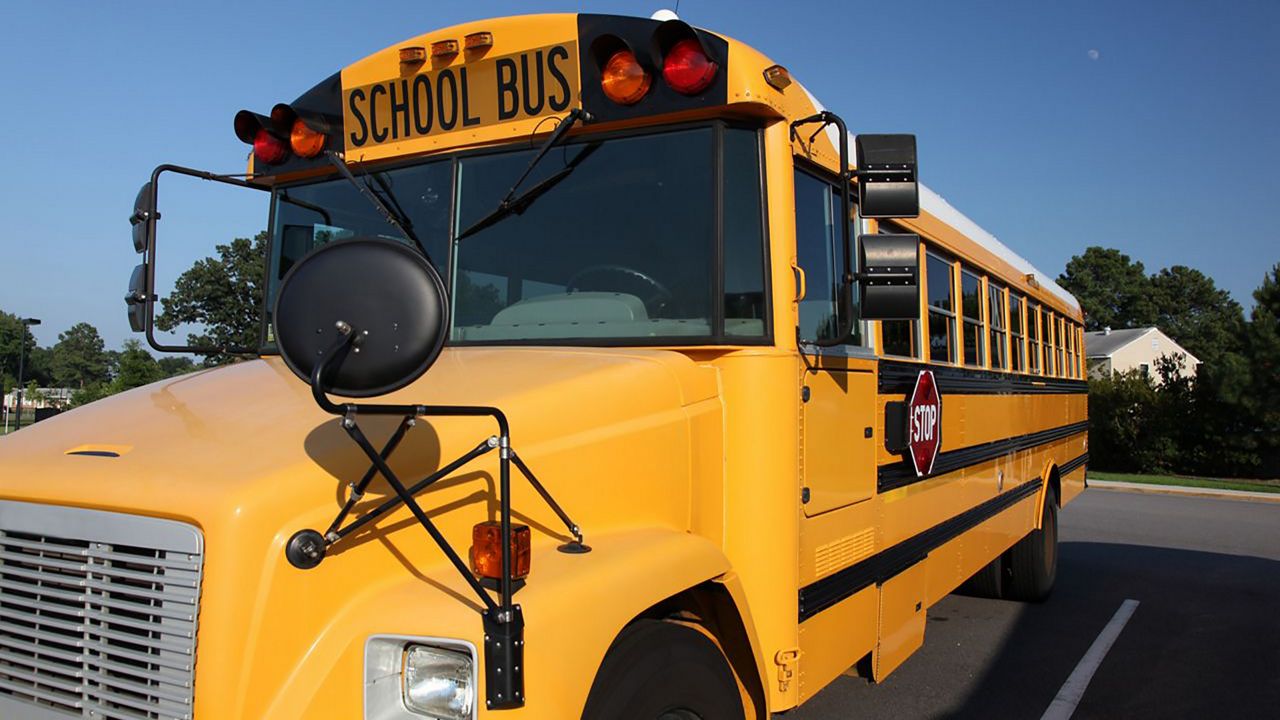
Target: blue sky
point(1147, 126)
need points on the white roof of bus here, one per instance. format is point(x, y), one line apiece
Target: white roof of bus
point(937, 206)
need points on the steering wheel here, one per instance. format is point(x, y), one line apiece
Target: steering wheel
point(656, 300)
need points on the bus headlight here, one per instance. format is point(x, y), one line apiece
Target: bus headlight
point(437, 682)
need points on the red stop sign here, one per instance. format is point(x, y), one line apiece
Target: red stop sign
point(924, 423)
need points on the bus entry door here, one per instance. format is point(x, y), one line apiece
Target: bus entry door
point(838, 417)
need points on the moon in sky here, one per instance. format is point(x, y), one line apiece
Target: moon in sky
point(1094, 55)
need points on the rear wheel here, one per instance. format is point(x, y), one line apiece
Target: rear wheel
point(987, 582)
point(1033, 562)
point(664, 671)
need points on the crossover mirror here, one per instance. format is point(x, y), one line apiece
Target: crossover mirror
point(887, 179)
point(382, 293)
point(143, 209)
point(136, 299)
point(889, 279)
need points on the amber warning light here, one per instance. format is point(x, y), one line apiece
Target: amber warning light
point(486, 550)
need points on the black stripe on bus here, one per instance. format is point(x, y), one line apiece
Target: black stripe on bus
point(900, 378)
point(1073, 465)
point(903, 473)
point(822, 594)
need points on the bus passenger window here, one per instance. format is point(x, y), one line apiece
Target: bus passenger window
point(1033, 337)
point(1060, 345)
point(1050, 368)
point(971, 293)
point(898, 337)
point(744, 303)
point(942, 311)
point(995, 310)
point(1017, 355)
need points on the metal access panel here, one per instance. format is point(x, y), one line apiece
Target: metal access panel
point(902, 619)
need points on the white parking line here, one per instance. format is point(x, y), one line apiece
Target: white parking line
point(1073, 689)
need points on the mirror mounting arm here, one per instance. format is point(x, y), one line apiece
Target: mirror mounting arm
point(503, 619)
point(146, 295)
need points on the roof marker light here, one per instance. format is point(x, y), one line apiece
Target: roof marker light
point(478, 41)
point(444, 48)
point(777, 77)
point(416, 54)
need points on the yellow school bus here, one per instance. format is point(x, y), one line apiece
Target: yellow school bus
point(602, 374)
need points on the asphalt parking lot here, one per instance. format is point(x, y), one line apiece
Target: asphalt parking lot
point(1203, 641)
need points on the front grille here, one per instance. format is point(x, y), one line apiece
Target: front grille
point(98, 614)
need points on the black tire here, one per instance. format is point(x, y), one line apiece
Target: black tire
point(1033, 562)
point(663, 671)
point(987, 582)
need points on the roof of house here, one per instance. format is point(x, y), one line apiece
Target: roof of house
point(1103, 343)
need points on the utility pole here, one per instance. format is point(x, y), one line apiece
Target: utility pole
point(22, 351)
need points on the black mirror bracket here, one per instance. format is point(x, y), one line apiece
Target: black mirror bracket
point(503, 619)
point(142, 298)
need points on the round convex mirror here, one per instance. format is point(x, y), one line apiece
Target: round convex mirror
point(390, 296)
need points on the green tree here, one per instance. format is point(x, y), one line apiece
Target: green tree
point(1192, 310)
point(222, 295)
point(1113, 290)
point(79, 357)
point(175, 365)
point(11, 331)
point(1263, 398)
point(1123, 430)
point(136, 368)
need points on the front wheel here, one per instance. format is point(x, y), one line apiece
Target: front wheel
point(659, 670)
point(1033, 562)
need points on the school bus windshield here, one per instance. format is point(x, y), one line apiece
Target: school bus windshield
point(633, 242)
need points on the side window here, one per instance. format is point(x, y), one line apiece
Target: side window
point(820, 257)
point(1050, 337)
point(942, 309)
point(744, 271)
point(999, 334)
point(1017, 355)
point(899, 337)
point(971, 297)
point(1033, 337)
point(1060, 346)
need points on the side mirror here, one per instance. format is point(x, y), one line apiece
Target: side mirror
point(144, 210)
point(887, 180)
point(889, 279)
point(136, 299)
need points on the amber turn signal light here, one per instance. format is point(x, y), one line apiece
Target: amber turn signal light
point(624, 80)
point(486, 550)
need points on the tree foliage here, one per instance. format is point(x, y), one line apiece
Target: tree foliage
point(79, 357)
point(222, 296)
point(1112, 289)
point(1192, 310)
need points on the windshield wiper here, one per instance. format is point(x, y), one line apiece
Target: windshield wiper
point(393, 218)
point(511, 204)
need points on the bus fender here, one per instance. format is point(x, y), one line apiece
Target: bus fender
point(1051, 482)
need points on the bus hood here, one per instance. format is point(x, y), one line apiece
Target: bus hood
point(219, 441)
